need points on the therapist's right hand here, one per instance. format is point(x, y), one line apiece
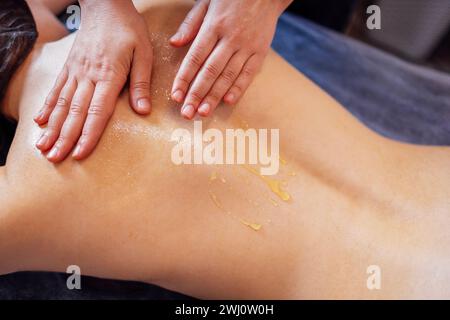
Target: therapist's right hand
point(112, 43)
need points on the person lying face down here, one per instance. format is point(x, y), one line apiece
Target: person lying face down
point(229, 43)
point(350, 214)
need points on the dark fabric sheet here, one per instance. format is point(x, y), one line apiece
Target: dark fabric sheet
point(397, 99)
point(47, 285)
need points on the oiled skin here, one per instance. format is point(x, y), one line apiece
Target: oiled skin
point(128, 212)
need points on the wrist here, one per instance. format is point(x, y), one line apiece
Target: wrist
point(283, 4)
point(87, 5)
point(105, 13)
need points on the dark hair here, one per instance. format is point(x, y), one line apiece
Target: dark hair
point(18, 34)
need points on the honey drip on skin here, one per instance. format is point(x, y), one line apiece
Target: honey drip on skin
point(274, 202)
point(213, 177)
point(254, 226)
point(274, 185)
point(218, 204)
point(215, 200)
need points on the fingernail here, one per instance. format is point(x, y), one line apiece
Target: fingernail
point(204, 109)
point(176, 37)
point(77, 151)
point(42, 141)
point(178, 96)
point(144, 105)
point(188, 111)
point(229, 98)
point(53, 153)
point(38, 116)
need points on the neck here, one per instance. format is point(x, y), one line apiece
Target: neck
point(44, 62)
point(13, 97)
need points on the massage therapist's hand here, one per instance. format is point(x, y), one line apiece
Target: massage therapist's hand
point(111, 44)
point(230, 41)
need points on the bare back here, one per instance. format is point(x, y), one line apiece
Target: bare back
point(222, 231)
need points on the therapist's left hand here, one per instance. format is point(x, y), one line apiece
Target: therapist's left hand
point(230, 41)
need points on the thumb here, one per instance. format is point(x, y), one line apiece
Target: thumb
point(140, 77)
point(191, 25)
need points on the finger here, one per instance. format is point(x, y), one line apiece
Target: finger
point(42, 116)
point(140, 77)
point(57, 117)
point(196, 56)
point(191, 25)
point(209, 73)
point(223, 84)
point(73, 125)
point(99, 112)
point(244, 79)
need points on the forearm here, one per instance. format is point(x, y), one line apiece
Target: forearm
point(48, 25)
point(114, 12)
point(105, 6)
point(57, 6)
point(283, 4)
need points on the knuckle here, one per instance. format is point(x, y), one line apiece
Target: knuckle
point(96, 110)
point(76, 109)
point(103, 70)
point(247, 72)
point(195, 59)
point(141, 85)
point(196, 96)
point(100, 65)
point(211, 70)
point(61, 103)
point(215, 96)
point(83, 61)
point(229, 75)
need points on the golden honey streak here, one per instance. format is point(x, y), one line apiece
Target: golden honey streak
point(274, 185)
point(254, 226)
point(213, 176)
point(215, 200)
